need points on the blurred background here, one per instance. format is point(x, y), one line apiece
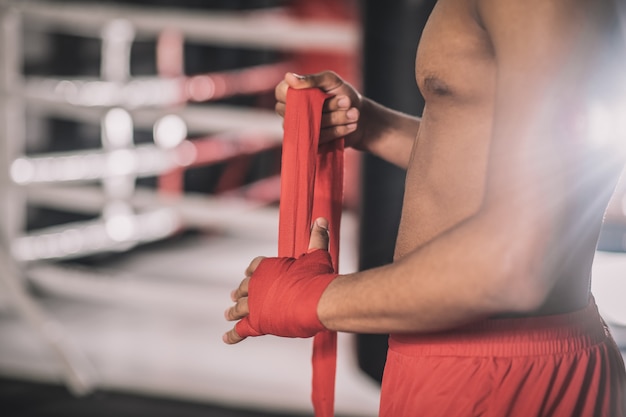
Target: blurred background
point(139, 165)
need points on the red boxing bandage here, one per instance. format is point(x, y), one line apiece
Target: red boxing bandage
point(284, 292)
point(283, 296)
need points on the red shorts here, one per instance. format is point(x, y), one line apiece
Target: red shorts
point(558, 366)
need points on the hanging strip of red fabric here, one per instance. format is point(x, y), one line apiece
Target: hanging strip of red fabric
point(311, 187)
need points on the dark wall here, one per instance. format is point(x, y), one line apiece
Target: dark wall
point(391, 34)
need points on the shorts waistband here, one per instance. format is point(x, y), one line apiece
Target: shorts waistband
point(527, 336)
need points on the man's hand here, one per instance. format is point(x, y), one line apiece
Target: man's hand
point(241, 309)
point(341, 112)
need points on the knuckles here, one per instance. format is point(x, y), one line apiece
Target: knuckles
point(254, 265)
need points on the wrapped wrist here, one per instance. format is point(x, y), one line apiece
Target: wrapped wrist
point(283, 296)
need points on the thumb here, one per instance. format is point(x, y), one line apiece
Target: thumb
point(319, 235)
point(325, 81)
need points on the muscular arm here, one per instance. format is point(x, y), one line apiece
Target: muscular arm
point(388, 134)
point(494, 263)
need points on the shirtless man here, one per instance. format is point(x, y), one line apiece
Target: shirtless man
point(508, 177)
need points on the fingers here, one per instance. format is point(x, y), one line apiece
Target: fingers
point(240, 294)
point(338, 123)
point(332, 104)
point(327, 81)
point(339, 116)
point(338, 102)
point(337, 132)
point(341, 111)
point(231, 337)
point(296, 81)
point(241, 291)
point(319, 235)
point(280, 92)
point(341, 121)
point(253, 265)
point(238, 311)
point(241, 309)
point(280, 108)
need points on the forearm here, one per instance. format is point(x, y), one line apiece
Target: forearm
point(471, 272)
point(388, 134)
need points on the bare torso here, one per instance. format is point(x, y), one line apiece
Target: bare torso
point(445, 183)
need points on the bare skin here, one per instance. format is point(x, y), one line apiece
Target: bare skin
point(505, 188)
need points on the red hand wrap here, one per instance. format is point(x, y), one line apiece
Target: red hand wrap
point(283, 296)
point(284, 292)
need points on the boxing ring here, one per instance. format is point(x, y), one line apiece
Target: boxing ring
point(150, 320)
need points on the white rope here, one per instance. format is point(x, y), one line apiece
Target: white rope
point(267, 29)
